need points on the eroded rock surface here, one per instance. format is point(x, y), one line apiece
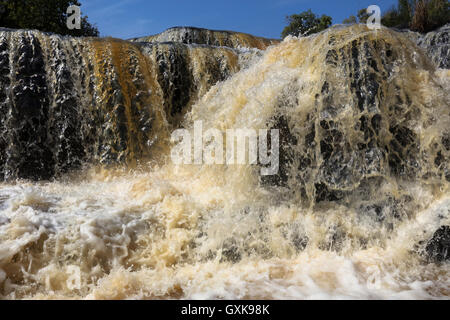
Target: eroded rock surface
point(191, 35)
point(436, 44)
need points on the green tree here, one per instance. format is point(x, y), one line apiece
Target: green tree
point(43, 15)
point(306, 23)
point(390, 18)
point(350, 20)
point(438, 13)
point(418, 15)
point(363, 15)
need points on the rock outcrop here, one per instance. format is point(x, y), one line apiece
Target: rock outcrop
point(363, 117)
point(436, 44)
point(438, 248)
point(66, 101)
point(191, 35)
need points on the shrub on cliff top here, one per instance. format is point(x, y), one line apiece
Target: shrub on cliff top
point(305, 23)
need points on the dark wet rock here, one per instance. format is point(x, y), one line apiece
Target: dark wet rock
point(4, 99)
point(437, 45)
point(286, 154)
point(29, 154)
point(186, 72)
point(438, 247)
point(64, 120)
point(231, 251)
point(299, 242)
point(175, 78)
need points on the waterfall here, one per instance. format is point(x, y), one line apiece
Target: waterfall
point(72, 101)
point(93, 207)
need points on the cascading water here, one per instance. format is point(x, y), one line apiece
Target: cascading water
point(72, 101)
point(362, 188)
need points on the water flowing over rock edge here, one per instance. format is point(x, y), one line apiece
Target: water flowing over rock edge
point(353, 221)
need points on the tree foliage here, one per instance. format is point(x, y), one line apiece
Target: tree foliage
point(43, 15)
point(350, 20)
point(418, 15)
point(405, 12)
point(399, 16)
point(361, 17)
point(306, 23)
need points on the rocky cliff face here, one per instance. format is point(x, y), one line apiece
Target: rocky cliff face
point(363, 116)
point(364, 122)
point(189, 35)
point(67, 101)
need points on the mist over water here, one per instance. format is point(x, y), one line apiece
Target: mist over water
point(363, 184)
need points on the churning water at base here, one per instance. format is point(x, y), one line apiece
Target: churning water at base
point(177, 233)
point(363, 186)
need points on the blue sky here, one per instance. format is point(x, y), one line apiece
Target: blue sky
point(132, 18)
